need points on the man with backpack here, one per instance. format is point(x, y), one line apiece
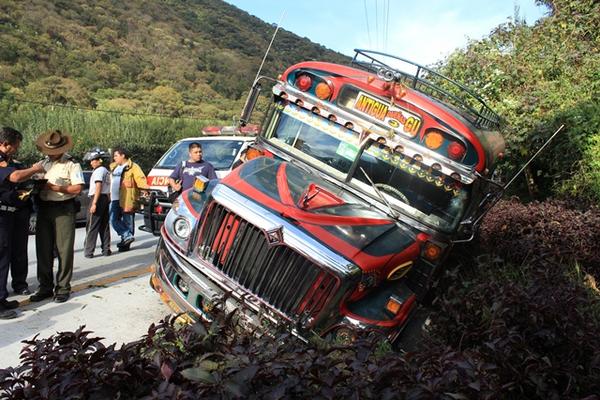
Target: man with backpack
point(185, 174)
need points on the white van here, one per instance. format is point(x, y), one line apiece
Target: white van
point(220, 151)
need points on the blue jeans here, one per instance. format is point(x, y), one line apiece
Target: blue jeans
point(122, 223)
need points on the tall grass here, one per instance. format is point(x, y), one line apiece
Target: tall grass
point(147, 137)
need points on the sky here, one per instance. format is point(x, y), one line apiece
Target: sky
point(423, 31)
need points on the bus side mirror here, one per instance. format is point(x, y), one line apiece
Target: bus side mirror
point(250, 103)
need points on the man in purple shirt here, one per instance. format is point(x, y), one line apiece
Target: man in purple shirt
point(185, 174)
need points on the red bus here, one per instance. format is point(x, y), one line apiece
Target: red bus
point(367, 176)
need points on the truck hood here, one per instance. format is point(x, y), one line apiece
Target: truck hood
point(332, 215)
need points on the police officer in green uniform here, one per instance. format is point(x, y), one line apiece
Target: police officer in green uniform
point(56, 216)
point(11, 199)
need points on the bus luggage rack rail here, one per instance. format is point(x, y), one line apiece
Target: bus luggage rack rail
point(431, 83)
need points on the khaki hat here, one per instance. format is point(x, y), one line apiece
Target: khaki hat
point(54, 142)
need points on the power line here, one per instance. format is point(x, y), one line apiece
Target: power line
point(376, 26)
point(367, 19)
point(387, 25)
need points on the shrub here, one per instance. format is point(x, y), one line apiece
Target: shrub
point(520, 233)
point(527, 328)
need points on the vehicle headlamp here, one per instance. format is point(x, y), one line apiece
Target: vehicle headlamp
point(182, 228)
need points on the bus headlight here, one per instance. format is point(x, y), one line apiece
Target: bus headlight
point(182, 228)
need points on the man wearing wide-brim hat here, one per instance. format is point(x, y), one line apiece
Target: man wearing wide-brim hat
point(56, 216)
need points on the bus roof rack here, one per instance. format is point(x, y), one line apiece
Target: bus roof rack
point(431, 83)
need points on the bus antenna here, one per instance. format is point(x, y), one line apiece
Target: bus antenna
point(269, 48)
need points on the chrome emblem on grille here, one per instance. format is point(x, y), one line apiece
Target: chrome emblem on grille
point(274, 236)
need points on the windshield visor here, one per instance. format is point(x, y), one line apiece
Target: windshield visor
point(425, 194)
point(316, 140)
point(220, 153)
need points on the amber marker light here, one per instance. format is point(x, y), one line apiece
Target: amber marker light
point(399, 91)
point(432, 251)
point(434, 140)
point(200, 184)
point(253, 153)
point(323, 91)
point(393, 305)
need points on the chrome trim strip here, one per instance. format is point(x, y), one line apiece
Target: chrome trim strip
point(292, 236)
point(448, 166)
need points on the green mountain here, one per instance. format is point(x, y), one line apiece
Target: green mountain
point(176, 57)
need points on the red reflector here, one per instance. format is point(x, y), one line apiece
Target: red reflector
point(456, 151)
point(304, 82)
point(158, 209)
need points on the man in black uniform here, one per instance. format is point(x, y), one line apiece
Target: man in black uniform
point(10, 140)
point(19, 260)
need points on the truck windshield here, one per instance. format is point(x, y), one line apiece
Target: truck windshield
point(220, 153)
point(425, 194)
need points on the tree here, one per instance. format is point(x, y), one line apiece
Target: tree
point(537, 78)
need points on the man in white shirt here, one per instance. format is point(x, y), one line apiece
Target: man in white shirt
point(56, 216)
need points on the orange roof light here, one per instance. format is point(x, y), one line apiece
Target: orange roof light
point(434, 140)
point(323, 91)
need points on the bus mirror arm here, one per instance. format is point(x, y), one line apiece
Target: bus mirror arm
point(491, 199)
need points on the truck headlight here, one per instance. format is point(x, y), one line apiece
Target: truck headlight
point(182, 228)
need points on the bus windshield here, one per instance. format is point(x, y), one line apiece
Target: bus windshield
point(425, 194)
point(316, 140)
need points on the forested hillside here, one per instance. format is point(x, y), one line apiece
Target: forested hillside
point(141, 73)
point(181, 58)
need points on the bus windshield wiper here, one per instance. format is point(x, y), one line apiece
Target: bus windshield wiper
point(392, 213)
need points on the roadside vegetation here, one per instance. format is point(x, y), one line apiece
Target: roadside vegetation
point(538, 78)
point(521, 324)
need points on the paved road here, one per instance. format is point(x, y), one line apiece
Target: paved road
point(110, 296)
